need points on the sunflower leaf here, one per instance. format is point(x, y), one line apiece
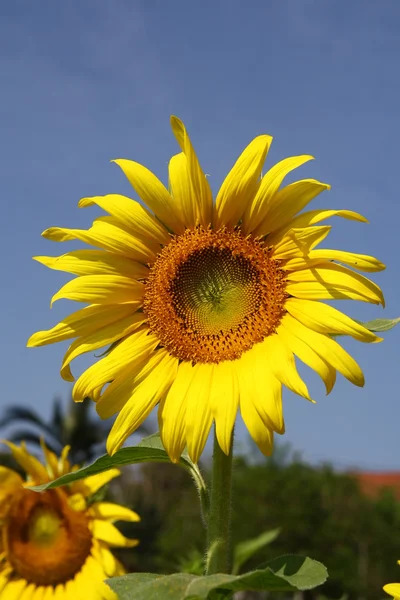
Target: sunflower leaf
point(150, 449)
point(245, 550)
point(283, 574)
point(378, 325)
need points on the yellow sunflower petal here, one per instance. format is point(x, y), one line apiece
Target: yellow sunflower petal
point(107, 532)
point(94, 262)
point(10, 482)
point(81, 323)
point(200, 187)
point(198, 419)
point(282, 364)
point(91, 485)
point(288, 202)
point(257, 210)
point(299, 242)
point(327, 349)
point(101, 289)
point(262, 389)
point(312, 217)
point(153, 193)
point(117, 394)
point(131, 215)
point(31, 465)
point(99, 339)
point(241, 184)
point(181, 191)
point(172, 412)
point(262, 435)
point(131, 351)
point(333, 281)
point(113, 512)
point(51, 460)
point(325, 319)
point(393, 589)
point(106, 235)
point(306, 354)
point(14, 589)
point(142, 401)
point(361, 262)
point(224, 402)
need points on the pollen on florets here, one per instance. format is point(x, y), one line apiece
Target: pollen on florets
point(211, 295)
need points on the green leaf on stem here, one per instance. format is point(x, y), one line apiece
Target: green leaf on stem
point(150, 449)
point(283, 574)
point(245, 550)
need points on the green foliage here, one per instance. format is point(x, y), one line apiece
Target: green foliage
point(243, 551)
point(381, 325)
point(286, 573)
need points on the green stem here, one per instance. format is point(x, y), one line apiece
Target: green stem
point(219, 523)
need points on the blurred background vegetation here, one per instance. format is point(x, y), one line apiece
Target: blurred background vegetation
point(321, 513)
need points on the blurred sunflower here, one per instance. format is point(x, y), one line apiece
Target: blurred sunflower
point(55, 545)
point(206, 304)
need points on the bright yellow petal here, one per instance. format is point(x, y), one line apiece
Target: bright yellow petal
point(51, 460)
point(181, 191)
point(326, 319)
point(198, 419)
point(308, 356)
point(153, 193)
point(241, 184)
point(299, 242)
point(117, 394)
point(131, 351)
point(270, 184)
point(14, 589)
point(107, 532)
point(107, 235)
point(101, 289)
point(99, 339)
point(224, 402)
point(328, 350)
point(333, 281)
point(200, 186)
point(113, 512)
point(262, 435)
point(91, 485)
point(281, 362)
point(259, 387)
point(393, 589)
point(31, 465)
point(142, 401)
point(81, 323)
point(288, 202)
point(172, 412)
point(94, 262)
point(10, 482)
point(312, 217)
point(361, 262)
point(131, 215)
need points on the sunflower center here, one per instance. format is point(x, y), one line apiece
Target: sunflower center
point(46, 542)
point(211, 295)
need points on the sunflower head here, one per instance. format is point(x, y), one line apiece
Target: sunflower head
point(57, 542)
point(207, 303)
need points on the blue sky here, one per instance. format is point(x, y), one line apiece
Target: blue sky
point(85, 82)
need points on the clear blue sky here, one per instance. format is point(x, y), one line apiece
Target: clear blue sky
point(84, 82)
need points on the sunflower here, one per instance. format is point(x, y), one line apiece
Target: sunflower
point(205, 305)
point(55, 545)
point(393, 589)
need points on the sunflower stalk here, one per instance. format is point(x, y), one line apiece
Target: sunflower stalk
point(218, 558)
